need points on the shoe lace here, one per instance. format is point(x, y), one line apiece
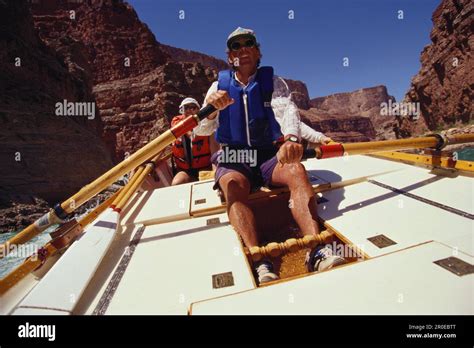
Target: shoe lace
point(324, 253)
point(264, 267)
point(320, 255)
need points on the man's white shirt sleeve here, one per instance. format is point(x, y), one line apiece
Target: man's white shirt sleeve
point(206, 127)
point(286, 112)
point(310, 134)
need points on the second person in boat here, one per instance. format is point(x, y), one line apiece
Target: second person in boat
point(191, 153)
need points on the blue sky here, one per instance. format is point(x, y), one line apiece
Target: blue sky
point(381, 48)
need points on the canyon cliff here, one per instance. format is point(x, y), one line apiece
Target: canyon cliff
point(354, 116)
point(43, 157)
point(444, 85)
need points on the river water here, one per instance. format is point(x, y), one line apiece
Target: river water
point(14, 259)
point(466, 154)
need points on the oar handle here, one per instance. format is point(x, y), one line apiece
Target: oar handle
point(308, 153)
point(324, 151)
point(205, 111)
point(190, 122)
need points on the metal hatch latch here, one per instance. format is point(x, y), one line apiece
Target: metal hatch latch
point(222, 280)
point(455, 265)
point(213, 221)
point(381, 241)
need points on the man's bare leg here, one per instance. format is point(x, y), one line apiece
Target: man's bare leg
point(302, 197)
point(304, 212)
point(236, 189)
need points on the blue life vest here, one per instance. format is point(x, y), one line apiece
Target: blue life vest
point(257, 128)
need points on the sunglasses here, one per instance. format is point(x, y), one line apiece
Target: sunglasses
point(190, 107)
point(236, 45)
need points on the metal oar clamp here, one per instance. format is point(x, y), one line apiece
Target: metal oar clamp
point(42, 255)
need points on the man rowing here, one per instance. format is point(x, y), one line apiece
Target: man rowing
point(251, 117)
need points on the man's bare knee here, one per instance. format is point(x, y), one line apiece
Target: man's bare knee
point(297, 169)
point(295, 174)
point(235, 186)
point(238, 184)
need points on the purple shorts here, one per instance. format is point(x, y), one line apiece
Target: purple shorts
point(257, 168)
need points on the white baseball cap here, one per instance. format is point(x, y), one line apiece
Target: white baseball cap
point(187, 101)
point(240, 32)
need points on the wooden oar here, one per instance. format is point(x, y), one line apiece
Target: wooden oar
point(61, 238)
point(61, 211)
point(65, 235)
point(318, 188)
point(90, 249)
point(363, 148)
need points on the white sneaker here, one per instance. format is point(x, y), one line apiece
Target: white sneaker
point(264, 271)
point(321, 258)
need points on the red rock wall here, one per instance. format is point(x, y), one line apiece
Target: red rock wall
point(134, 116)
point(365, 102)
point(183, 55)
point(341, 128)
point(110, 31)
point(444, 84)
point(136, 101)
point(43, 157)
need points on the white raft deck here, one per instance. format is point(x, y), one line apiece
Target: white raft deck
point(166, 260)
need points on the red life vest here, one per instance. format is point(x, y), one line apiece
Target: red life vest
point(198, 157)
